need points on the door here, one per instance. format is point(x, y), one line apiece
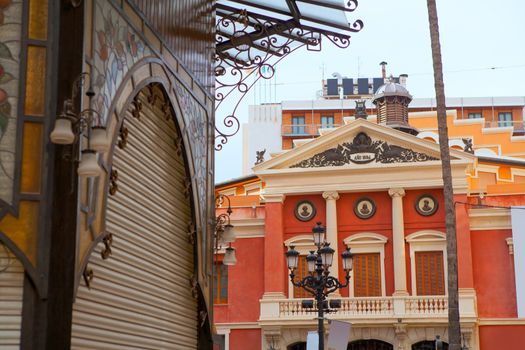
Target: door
point(141, 296)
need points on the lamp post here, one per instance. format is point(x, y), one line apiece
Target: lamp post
point(224, 233)
point(318, 282)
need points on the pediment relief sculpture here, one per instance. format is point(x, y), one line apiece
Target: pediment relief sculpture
point(363, 150)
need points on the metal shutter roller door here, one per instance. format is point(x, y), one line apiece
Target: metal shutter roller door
point(141, 298)
point(11, 293)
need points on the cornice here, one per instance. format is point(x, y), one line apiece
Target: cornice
point(489, 219)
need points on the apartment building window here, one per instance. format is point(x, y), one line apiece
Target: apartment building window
point(430, 275)
point(298, 125)
point(220, 283)
point(504, 119)
point(367, 275)
point(327, 121)
point(474, 115)
point(300, 272)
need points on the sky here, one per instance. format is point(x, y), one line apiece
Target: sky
point(482, 47)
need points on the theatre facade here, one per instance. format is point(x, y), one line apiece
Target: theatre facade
point(376, 185)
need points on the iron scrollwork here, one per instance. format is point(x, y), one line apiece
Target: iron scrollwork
point(108, 241)
point(88, 275)
point(320, 285)
point(123, 136)
point(249, 45)
point(113, 178)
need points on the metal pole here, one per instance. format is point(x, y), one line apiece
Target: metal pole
point(320, 315)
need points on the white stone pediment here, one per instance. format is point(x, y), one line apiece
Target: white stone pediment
point(360, 144)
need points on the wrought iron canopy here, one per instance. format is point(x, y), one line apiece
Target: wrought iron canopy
point(254, 35)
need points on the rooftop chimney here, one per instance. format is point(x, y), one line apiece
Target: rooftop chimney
point(403, 79)
point(383, 69)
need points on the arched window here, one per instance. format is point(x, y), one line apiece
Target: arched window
point(297, 346)
point(427, 345)
point(369, 344)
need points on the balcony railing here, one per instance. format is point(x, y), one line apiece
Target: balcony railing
point(518, 125)
point(362, 308)
point(304, 129)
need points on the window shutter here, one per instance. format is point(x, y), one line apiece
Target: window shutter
point(430, 276)
point(300, 272)
point(367, 275)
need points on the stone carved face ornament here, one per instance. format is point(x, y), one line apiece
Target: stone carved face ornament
point(363, 150)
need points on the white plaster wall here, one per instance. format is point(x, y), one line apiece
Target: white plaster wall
point(263, 131)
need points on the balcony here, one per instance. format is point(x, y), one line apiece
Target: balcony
point(302, 130)
point(518, 125)
point(369, 308)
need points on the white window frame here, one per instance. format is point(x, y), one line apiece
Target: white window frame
point(367, 242)
point(303, 244)
point(425, 241)
point(252, 186)
point(229, 191)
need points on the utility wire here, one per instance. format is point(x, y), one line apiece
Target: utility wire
point(488, 205)
point(421, 73)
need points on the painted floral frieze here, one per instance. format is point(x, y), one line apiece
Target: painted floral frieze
point(10, 35)
point(117, 47)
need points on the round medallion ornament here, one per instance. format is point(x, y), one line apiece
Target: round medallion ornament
point(426, 205)
point(305, 211)
point(364, 208)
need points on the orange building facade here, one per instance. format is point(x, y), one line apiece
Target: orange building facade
point(378, 191)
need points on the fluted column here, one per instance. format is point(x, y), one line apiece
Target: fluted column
point(398, 233)
point(331, 227)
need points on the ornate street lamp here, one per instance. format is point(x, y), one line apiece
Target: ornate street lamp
point(224, 232)
point(318, 282)
point(71, 126)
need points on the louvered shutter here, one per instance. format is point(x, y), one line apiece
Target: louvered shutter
point(140, 298)
point(300, 272)
point(11, 292)
point(367, 275)
point(430, 276)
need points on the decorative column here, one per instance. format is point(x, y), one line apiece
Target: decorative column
point(331, 227)
point(275, 271)
point(398, 233)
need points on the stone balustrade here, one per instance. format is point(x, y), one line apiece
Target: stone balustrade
point(393, 307)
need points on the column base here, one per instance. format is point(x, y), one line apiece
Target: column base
point(274, 295)
point(400, 293)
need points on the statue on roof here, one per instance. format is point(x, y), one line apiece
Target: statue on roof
point(260, 156)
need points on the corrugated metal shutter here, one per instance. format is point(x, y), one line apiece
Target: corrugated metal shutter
point(11, 292)
point(140, 297)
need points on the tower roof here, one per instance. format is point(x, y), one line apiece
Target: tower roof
point(391, 89)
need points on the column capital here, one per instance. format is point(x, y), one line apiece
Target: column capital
point(396, 192)
point(273, 198)
point(331, 195)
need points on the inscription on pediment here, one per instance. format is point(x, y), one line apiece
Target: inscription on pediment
point(363, 150)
